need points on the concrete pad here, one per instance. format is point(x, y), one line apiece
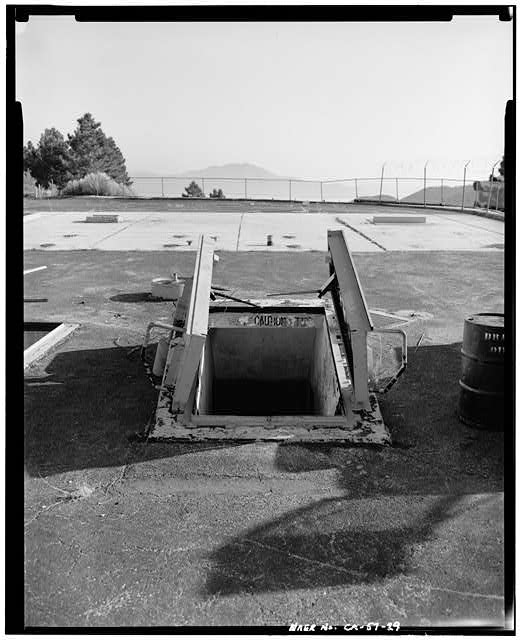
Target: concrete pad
point(69, 231)
point(493, 225)
point(305, 232)
point(458, 232)
point(183, 229)
point(134, 231)
point(151, 231)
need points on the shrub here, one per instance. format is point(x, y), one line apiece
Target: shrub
point(52, 191)
point(193, 190)
point(217, 193)
point(96, 184)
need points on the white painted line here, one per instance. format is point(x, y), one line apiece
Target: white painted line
point(33, 270)
point(40, 348)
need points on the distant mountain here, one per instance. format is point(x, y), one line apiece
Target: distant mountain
point(233, 170)
point(451, 196)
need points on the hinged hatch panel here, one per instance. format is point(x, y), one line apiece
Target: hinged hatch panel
point(184, 354)
point(356, 312)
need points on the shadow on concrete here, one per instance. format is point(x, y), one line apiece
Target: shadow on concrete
point(431, 446)
point(138, 296)
point(88, 411)
point(362, 537)
point(94, 404)
point(332, 542)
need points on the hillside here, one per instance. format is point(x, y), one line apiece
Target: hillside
point(451, 196)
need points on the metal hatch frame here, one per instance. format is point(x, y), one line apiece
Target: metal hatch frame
point(348, 321)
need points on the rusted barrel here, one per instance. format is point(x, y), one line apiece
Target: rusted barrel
point(481, 402)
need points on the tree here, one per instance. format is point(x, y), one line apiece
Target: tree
point(115, 163)
point(501, 169)
point(217, 193)
point(93, 152)
point(193, 190)
point(50, 161)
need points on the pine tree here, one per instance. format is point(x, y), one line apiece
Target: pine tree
point(115, 162)
point(50, 161)
point(93, 152)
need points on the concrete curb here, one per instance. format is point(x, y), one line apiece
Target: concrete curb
point(53, 338)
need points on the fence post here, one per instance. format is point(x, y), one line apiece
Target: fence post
point(491, 180)
point(381, 183)
point(290, 190)
point(245, 188)
point(162, 189)
point(356, 188)
point(441, 192)
point(464, 180)
point(425, 186)
point(321, 195)
point(397, 197)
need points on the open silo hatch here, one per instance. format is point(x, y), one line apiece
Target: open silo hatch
point(265, 371)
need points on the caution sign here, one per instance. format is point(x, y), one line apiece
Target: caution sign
point(265, 320)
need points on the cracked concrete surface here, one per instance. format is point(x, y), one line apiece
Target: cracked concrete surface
point(122, 532)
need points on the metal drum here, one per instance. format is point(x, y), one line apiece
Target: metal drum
point(481, 402)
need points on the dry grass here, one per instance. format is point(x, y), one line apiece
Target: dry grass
point(96, 184)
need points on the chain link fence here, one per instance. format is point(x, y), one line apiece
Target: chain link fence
point(462, 193)
point(421, 191)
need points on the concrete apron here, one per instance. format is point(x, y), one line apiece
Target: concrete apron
point(330, 380)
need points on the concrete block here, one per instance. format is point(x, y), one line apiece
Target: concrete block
point(102, 217)
point(398, 219)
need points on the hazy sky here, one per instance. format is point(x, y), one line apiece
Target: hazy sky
point(311, 100)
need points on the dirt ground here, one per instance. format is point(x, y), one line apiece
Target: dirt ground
point(121, 532)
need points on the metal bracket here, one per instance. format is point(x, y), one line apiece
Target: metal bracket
point(328, 285)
